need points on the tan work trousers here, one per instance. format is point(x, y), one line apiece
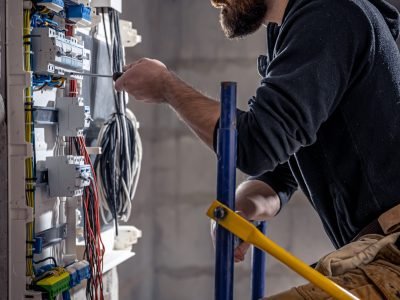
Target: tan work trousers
point(369, 268)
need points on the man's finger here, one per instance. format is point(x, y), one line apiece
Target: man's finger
point(127, 67)
point(238, 256)
point(120, 83)
point(240, 252)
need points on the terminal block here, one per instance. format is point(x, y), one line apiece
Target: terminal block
point(79, 14)
point(78, 272)
point(73, 116)
point(54, 53)
point(68, 175)
point(57, 282)
point(54, 5)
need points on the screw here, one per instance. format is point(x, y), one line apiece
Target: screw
point(220, 213)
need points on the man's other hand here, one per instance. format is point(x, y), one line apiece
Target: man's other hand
point(240, 250)
point(145, 80)
point(256, 201)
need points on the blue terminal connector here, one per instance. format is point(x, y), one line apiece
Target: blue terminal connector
point(37, 245)
point(43, 269)
point(78, 272)
point(78, 13)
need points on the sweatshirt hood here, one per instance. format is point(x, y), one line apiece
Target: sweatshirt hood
point(390, 14)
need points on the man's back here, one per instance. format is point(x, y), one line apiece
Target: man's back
point(330, 104)
point(360, 141)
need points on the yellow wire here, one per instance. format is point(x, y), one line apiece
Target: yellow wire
point(30, 194)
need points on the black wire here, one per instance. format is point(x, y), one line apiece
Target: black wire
point(113, 167)
point(36, 262)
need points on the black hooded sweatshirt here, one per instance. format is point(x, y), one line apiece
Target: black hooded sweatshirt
point(327, 114)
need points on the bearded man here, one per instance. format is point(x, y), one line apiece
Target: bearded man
point(325, 118)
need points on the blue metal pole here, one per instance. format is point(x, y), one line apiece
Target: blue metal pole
point(258, 269)
point(226, 185)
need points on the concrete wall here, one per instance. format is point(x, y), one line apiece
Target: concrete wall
point(3, 160)
point(175, 258)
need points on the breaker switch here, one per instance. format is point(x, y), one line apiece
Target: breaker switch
point(68, 175)
point(73, 116)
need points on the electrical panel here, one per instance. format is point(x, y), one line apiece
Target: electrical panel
point(63, 226)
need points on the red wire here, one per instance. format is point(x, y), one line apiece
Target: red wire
point(69, 30)
point(96, 249)
point(98, 243)
point(73, 88)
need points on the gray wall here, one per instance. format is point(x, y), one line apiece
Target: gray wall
point(175, 257)
point(3, 160)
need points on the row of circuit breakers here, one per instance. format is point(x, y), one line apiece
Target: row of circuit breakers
point(55, 53)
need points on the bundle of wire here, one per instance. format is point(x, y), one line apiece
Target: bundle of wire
point(118, 167)
point(30, 138)
point(94, 247)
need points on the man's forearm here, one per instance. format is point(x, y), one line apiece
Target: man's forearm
point(256, 200)
point(199, 112)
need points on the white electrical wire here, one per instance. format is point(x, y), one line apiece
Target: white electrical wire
point(129, 186)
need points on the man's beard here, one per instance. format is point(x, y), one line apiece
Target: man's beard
point(239, 18)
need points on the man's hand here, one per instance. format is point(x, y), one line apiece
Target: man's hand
point(150, 81)
point(145, 80)
point(240, 250)
point(256, 201)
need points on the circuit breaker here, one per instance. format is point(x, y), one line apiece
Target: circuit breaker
point(68, 175)
point(73, 116)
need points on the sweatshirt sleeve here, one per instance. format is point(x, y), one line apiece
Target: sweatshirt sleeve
point(315, 53)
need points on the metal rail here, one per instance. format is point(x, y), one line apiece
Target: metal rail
point(258, 270)
point(226, 152)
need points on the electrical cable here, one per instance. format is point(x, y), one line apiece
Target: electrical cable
point(30, 138)
point(36, 262)
point(94, 247)
point(118, 167)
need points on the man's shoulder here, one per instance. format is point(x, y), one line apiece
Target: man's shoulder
point(333, 9)
point(330, 14)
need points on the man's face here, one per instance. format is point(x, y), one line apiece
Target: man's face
point(240, 17)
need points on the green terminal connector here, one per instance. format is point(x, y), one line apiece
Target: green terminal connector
point(56, 283)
